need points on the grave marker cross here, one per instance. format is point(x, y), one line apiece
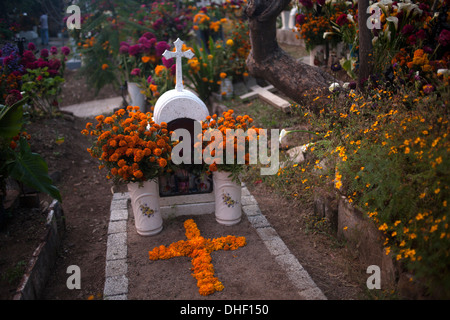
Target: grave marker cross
point(178, 54)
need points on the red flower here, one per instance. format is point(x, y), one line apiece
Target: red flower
point(342, 19)
point(444, 38)
point(39, 78)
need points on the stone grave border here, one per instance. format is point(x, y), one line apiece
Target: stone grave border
point(44, 256)
point(116, 280)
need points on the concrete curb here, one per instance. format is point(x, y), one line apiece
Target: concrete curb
point(116, 281)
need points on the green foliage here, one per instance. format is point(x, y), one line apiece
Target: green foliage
point(391, 152)
point(19, 162)
point(42, 89)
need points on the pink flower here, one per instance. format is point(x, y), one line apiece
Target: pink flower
point(65, 50)
point(53, 50)
point(136, 72)
point(31, 46)
point(39, 78)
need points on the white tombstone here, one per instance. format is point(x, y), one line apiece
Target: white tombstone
point(180, 103)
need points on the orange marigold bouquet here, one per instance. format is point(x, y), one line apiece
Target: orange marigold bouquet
point(215, 151)
point(130, 145)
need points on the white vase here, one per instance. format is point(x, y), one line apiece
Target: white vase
point(136, 97)
point(145, 205)
point(227, 195)
point(285, 17)
point(292, 16)
point(226, 86)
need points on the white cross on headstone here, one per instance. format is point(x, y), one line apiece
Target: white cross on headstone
point(178, 54)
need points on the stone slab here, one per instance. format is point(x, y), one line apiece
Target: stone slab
point(117, 285)
point(116, 246)
point(94, 108)
point(119, 215)
point(116, 267)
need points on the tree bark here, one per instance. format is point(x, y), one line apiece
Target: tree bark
point(267, 60)
point(365, 43)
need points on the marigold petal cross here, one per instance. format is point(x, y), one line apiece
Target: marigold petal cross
point(199, 249)
point(178, 54)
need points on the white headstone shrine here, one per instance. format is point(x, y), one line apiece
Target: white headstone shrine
point(179, 102)
point(181, 108)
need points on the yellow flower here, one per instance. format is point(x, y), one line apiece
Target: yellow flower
point(104, 66)
point(223, 75)
point(230, 42)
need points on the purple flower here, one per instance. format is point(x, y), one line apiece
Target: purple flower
point(412, 39)
point(123, 49)
point(167, 62)
point(136, 72)
point(421, 34)
point(149, 79)
point(444, 38)
point(306, 3)
point(407, 29)
point(44, 53)
point(149, 35)
point(321, 2)
point(65, 50)
point(300, 19)
point(41, 63)
point(161, 47)
point(157, 24)
point(54, 64)
point(336, 67)
point(134, 50)
point(54, 50)
point(31, 46)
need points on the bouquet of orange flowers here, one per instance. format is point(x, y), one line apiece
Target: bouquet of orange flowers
point(218, 132)
point(130, 145)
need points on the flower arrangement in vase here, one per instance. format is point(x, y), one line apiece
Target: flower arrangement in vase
point(135, 150)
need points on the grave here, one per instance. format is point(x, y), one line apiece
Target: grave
point(184, 191)
point(265, 94)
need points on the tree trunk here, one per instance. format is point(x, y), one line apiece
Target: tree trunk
point(365, 43)
point(267, 60)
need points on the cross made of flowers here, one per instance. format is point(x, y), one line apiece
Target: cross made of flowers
point(199, 249)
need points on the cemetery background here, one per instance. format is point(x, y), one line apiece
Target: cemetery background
point(345, 284)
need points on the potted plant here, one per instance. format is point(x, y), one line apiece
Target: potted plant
point(135, 151)
point(226, 171)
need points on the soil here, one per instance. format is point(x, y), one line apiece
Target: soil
point(86, 200)
point(171, 279)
